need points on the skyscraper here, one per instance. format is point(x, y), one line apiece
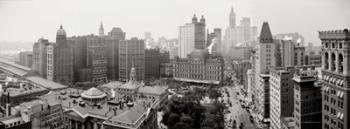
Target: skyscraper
point(264, 59)
point(101, 31)
point(307, 99)
point(235, 35)
point(112, 41)
point(25, 58)
point(281, 95)
point(96, 58)
point(232, 19)
point(60, 59)
point(39, 57)
point(131, 53)
point(192, 36)
point(335, 79)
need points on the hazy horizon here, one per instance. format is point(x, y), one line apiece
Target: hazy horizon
point(29, 20)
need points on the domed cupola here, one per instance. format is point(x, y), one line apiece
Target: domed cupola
point(61, 31)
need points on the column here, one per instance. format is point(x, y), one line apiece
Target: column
point(95, 125)
point(345, 63)
point(323, 60)
point(329, 61)
point(336, 62)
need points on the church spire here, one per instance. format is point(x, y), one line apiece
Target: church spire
point(132, 72)
point(101, 30)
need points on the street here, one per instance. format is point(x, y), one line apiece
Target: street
point(237, 113)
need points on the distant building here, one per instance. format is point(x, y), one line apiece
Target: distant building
point(40, 57)
point(199, 67)
point(299, 55)
point(96, 58)
point(152, 63)
point(263, 59)
point(131, 52)
point(238, 34)
point(79, 46)
point(60, 60)
point(287, 53)
point(335, 79)
point(26, 59)
point(241, 67)
point(307, 99)
point(191, 36)
point(313, 59)
point(112, 41)
point(281, 95)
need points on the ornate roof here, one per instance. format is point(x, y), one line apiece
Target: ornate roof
point(93, 93)
point(265, 34)
point(61, 31)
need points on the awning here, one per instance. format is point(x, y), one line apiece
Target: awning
point(338, 115)
point(338, 93)
point(327, 77)
point(327, 89)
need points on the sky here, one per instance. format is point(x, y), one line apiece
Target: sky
point(29, 20)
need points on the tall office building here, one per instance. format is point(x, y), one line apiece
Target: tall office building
point(60, 59)
point(26, 58)
point(96, 58)
point(281, 95)
point(39, 57)
point(238, 34)
point(101, 30)
point(191, 36)
point(214, 41)
point(299, 55)
point(112, 41)
point(131, 53)
point(307, 99)
point(152, 63)
point(79, 45)
point(287, 52)
point(264, 59)
point(335, 79)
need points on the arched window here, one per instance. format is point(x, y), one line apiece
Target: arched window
point(341, 66)
point(333, 62)
point(326, 60)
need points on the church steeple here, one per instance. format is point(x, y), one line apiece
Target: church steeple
point(232, 18)
point(101, 30)
point(132, 72)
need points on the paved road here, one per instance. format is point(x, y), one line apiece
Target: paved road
point(237, 112)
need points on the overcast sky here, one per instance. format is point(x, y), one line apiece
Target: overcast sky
point(28, 20)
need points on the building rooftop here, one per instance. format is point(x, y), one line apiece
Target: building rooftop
point(156, 90)
point(115, 110)
point(45, 83)
point(14, 68)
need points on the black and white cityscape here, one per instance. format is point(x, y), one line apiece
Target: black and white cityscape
point(174, 64)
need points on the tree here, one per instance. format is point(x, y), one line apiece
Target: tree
point(173, 119)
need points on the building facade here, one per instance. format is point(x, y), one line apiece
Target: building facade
point(131, 52)
point(97, 58)
point(281, 95)
point(191, 36)
point(40, 57)
point(307, 99)
point(152, 63)
point(26, 59)
point(200, 67)
point(112, 42)
point(335, 79)
point(60, 60)
point(264, 59)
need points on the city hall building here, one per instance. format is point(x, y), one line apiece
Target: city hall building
point(199, 67)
